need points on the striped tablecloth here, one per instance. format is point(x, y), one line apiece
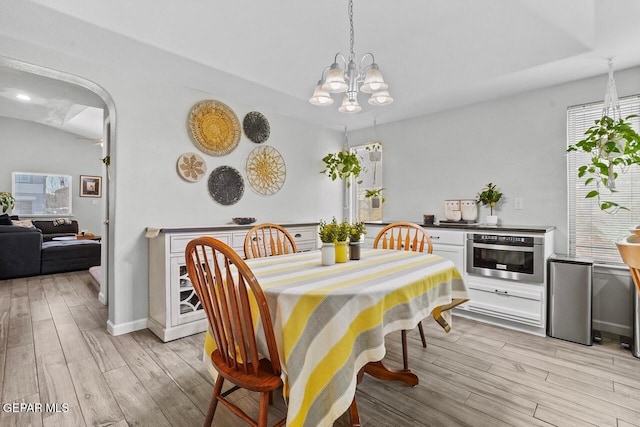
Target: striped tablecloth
point(330, 321)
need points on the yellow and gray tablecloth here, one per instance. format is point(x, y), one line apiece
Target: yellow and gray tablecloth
point(330, 321)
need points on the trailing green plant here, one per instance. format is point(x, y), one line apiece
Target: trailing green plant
point(614, 146)
point(375, 193)
point(7, 201)
point(328, 231)
point(343, 165)
point(490, 195)
point(344, 228)
point(356, 231)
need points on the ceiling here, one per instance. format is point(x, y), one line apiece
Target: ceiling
point(435, 55)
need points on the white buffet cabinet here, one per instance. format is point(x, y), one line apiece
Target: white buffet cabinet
point(514, 304)
point(174, 309)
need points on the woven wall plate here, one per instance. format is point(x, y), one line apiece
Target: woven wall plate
point(226, 185)
point(256, 127)
point(191, 167)
point(266, 170)
point(214, 127)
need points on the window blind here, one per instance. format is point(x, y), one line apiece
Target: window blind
point(592, 232)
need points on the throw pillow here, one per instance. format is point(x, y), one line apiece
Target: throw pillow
point(5, 219)
point(61, 221)
point(24, 223)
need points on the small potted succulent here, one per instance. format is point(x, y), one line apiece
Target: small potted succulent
point(356, 232)
point(490, 195)
point(328, 232)
point(376, 197)
point(7, 201)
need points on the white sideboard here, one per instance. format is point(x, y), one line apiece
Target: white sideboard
point(174, 308)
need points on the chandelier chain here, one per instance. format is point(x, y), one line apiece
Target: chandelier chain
point(351, 54)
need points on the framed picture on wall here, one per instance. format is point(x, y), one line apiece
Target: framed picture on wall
point(90, 186)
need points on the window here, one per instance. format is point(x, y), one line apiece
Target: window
point(41, 194)
point(368, 209)
point(592, 232)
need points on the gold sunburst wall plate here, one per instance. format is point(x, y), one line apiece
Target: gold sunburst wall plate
point(214, 127)
point(266, 171)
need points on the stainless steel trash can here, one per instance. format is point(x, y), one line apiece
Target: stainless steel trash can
point(570, 294)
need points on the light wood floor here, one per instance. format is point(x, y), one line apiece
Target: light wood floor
point(54, 349)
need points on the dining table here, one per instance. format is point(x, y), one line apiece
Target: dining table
point(330, 321)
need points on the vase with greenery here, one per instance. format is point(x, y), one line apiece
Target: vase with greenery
point(376, 197)
point(328, 232)
point(490, 195)
point(7, 201)
point(614, 146)
point(343, 165)
point(342, 235)
point(356, 231)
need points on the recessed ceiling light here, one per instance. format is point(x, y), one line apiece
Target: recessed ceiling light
point(23, 97)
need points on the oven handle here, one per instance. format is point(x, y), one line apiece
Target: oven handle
point(503, 247)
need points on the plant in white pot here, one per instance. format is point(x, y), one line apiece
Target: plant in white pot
point(328, 233)
point(490, 195)
point(7, 201)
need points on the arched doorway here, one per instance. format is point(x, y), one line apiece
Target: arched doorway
point(82, 88)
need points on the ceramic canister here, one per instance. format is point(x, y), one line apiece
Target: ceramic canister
point(469, 208)
point(449, 207)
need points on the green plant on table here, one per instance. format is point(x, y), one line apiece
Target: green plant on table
point(7, 201)
point(328, 231)
point(614, 146)
point(490, 195)
point(344, 228)
point(356, 231)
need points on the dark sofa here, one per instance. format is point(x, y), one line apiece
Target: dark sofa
point(20, 251)
point(31, 251)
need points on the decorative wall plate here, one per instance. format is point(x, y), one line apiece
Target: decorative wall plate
point(191, 167)
point(266, 170)
point(214, 127)
point(256, 127)
point(226, 185)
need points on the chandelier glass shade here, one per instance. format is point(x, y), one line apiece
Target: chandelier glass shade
point(351, 79)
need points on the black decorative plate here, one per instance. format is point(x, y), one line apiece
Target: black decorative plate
point(256, 127)
point(226, 185)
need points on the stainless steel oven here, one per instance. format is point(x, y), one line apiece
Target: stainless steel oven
point(510, 257)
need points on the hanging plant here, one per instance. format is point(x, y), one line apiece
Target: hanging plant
point(343, 165)
point(614, 146)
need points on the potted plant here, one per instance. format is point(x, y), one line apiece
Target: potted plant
point(342, 235)
point(356, 231)
point(327, 233)
point(376, 197)
point(343, 165)
point(375, 152)
point(613, 146)
point(490, 195)
point(7, 201)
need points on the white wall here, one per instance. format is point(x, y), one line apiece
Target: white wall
point(33, 147)
point(517, 142)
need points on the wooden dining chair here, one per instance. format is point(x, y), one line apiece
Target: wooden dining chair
point(405, 236)
point(268, 239)
point(225, 285)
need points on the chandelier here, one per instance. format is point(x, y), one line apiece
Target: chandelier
point(350, 80)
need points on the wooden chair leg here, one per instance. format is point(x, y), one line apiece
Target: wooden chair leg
point(405, 357)
point(422, 337)
point(353, 414)
point(264, 409)
point(217, 388)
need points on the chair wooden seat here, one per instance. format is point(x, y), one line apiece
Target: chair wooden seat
point(268, 239)
point(265, 379)
point(407, 236)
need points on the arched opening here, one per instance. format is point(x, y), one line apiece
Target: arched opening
point(78, 92)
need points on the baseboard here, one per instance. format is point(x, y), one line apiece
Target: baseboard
point(125, 328)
